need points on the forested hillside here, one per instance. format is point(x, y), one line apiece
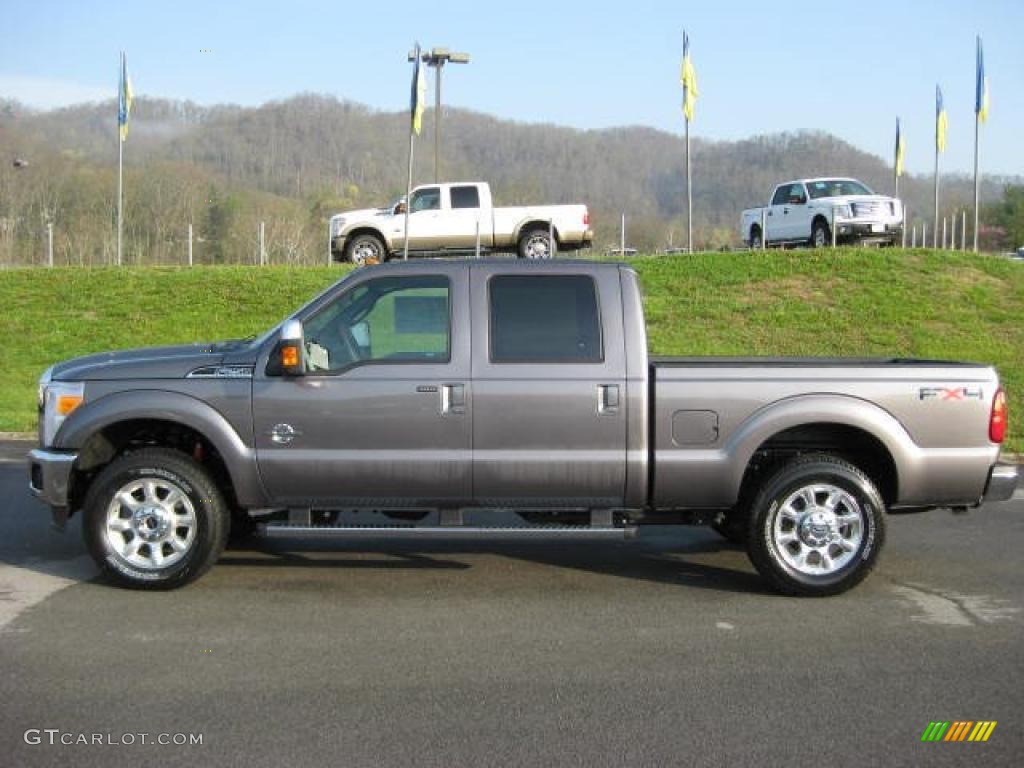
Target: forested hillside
point(292, 163)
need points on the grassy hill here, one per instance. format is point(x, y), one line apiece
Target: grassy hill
point(847, 302)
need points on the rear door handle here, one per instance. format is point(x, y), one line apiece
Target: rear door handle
point(453, 398)
point(608, 398)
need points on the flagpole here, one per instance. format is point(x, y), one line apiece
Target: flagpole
point(935, 224)
point(977, 135)
point(689, 194)
point(120, 164)
point(408, 195)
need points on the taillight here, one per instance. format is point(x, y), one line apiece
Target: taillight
point(1000, 415)
point(586, 218)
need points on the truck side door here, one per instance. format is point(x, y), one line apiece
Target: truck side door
point(777, 213)
point(426, 222)
point(465, 211)
point(383, 413)
point(548, 369)
point(797, 214)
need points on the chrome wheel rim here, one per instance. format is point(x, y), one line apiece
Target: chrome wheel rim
point(818, 529)
point(151, 523)
point(537, 247)
point(364, 251)
point(819, 238)
point(756, 242)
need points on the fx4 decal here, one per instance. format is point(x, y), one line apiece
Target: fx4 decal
point(950, 393)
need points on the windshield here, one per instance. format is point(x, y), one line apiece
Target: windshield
point(836, 188)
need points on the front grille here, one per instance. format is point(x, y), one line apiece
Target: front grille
point(866, 209)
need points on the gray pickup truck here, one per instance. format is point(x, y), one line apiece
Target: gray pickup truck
point(433, 398)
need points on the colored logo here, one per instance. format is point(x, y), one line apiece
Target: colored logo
point(958, 730)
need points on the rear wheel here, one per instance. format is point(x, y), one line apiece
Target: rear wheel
point(755, 238)
point(535, 243)
point(817, 526)
point(155, 519)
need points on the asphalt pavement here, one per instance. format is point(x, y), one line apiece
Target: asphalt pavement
point(668, 650)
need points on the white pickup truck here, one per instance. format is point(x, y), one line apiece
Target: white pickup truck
point(806, 211)
point(446, 218)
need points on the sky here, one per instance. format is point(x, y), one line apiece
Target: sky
point(846, 68)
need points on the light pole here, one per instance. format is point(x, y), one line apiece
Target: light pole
point(437, 58)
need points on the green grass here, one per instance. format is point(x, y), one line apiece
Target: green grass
point(847, 302)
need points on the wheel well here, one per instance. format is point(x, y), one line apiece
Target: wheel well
point(124, 437)
point(817, 219)
point(365, 231)
point(532, 225)
point(860, 448)
point(755, 229)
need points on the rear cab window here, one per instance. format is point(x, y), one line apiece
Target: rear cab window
point(544, 319)
point(465, 197)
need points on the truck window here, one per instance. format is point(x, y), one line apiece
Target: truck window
point(428, 199)
point(781, 196)
point(465, 197)
point(544, 319)
point(390, 319)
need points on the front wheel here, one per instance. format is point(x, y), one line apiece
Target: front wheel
point(817, 526)
point(365, 249)
point(821, 235)
point(155, 519)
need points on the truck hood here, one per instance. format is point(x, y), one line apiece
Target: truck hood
point(151, 363)
point(855, 199)
point(364, 214)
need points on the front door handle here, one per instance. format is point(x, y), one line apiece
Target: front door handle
point(453, 398)
point(608, 398)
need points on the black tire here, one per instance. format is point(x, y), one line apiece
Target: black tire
point(755, 238)
point(202, 506)
point(365, 249)
point(535, 243)
point(859, 501)
point(821, 235)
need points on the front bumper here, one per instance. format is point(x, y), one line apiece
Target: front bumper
point(1002, 482)
point(868, 230)
point(50, 476)
point(338, 245)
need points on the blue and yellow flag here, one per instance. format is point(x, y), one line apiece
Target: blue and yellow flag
point(418, 97)
point(688, 77)
point(125, 96)
point(900, 149)
point(941, 121)
point(981, 87)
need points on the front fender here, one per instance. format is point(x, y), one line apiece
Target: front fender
point(174, 407)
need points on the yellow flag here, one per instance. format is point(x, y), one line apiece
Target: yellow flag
point(688, 77)
point(941, 121)
point(125, 96)
point(901, 147)
point(418, 97)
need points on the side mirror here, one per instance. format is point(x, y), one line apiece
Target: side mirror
point(399, 209)
point(291, 349)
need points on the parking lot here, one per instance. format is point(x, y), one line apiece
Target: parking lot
point(665, 650)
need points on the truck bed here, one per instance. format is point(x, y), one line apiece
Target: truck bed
point(709, 415)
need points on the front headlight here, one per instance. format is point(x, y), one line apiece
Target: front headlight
point(336, 225)
point(60, 399)
point(844, 211)
point(44, 381)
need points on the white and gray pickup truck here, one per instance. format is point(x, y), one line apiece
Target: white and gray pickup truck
point(808, 210)
point(435, 398)
point(447, 219)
